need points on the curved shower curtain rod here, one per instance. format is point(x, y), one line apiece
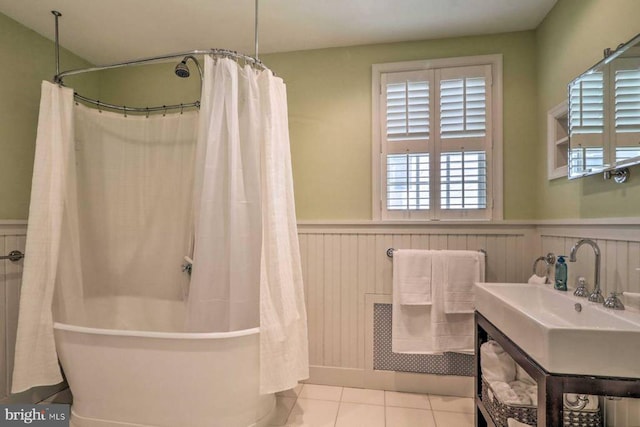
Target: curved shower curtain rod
point(218, 53)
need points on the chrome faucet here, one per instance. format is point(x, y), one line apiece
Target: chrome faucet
point(596, 295)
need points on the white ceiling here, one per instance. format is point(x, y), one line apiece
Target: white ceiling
point(106, 31)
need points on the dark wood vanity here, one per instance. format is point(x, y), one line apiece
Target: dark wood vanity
point(550, 386)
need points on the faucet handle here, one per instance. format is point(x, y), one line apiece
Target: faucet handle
point(614, 302)
point(581, 288)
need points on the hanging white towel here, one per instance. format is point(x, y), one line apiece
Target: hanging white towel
point(450, 332)
point(412, 276)
point(411, 323)
point(461, 270)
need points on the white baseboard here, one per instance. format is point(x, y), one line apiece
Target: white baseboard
point(444, 385)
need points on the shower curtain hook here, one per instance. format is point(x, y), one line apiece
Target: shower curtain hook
point(125, 110)
point(181, 108)
point(164, 113)
point(99, 109)
point(147, 112)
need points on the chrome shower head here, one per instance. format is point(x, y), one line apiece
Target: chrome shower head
point(182, 70)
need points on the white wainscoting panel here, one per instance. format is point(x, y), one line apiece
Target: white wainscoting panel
point(342, 265)
point(12, 237)
point(620, 254)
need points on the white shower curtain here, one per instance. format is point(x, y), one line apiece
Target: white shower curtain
point(36, 360)
point(247, 270)
point(94, 237)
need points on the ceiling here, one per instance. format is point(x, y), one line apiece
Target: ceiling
point(110, 31)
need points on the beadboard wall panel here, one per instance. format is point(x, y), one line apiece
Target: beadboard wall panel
point(12, 237)
point(342, 265)
point(620, 254)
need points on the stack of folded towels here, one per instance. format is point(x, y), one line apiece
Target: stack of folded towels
point(510, 383)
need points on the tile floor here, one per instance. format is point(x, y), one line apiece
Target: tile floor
point(311, 405)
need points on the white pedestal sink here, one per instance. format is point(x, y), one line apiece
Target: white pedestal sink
point(546, 325)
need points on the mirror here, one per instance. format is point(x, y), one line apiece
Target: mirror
point(604, 114)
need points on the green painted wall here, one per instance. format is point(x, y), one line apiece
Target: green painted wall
point(330, 110)
point(569, 41)
point(329, 95)
point(27, 58)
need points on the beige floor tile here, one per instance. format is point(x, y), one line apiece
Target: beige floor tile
point(313, 413)
point(294, 392)
point(452, 404)
point(360, 415)
point(453, 419)
point(283, 408)
point(361, 395)
point(406, 400)
point(408, 417)
point(321, 392)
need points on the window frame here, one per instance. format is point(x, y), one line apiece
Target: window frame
point(495, 173)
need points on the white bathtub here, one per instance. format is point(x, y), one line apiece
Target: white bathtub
point(162, 379)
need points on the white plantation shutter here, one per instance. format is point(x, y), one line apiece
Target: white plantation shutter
point(463, 180)
point(464, 142)
point(586, 105)
point(626, 101)
point(406, 129)
point(586, 123)
point(435, 129)
point(407, 110)
point(463, 107)
point(408, 181)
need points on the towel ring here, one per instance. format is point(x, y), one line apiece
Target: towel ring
point(549, 260)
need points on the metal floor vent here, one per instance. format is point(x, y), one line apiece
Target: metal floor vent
point(385, 360)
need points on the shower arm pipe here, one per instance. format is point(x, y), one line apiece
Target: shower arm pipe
point(223, 53)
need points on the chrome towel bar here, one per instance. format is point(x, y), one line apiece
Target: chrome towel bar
point(13, 256)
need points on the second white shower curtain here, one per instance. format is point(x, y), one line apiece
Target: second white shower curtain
point(247, 270)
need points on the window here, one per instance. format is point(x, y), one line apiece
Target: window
point(437, 139)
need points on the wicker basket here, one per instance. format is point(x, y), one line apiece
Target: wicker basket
point(528, 414)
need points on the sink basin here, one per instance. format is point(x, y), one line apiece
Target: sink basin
point(545, 324)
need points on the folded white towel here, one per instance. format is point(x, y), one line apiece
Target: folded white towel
point(571, 399)
point(506, 394)
point(496, 364)
point(537, 280)
point(412, 276)
point(524, 389)
point(462, 270)
point(515, 423)
point(521, 375)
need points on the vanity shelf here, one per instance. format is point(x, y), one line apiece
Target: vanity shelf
point(551, 387)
